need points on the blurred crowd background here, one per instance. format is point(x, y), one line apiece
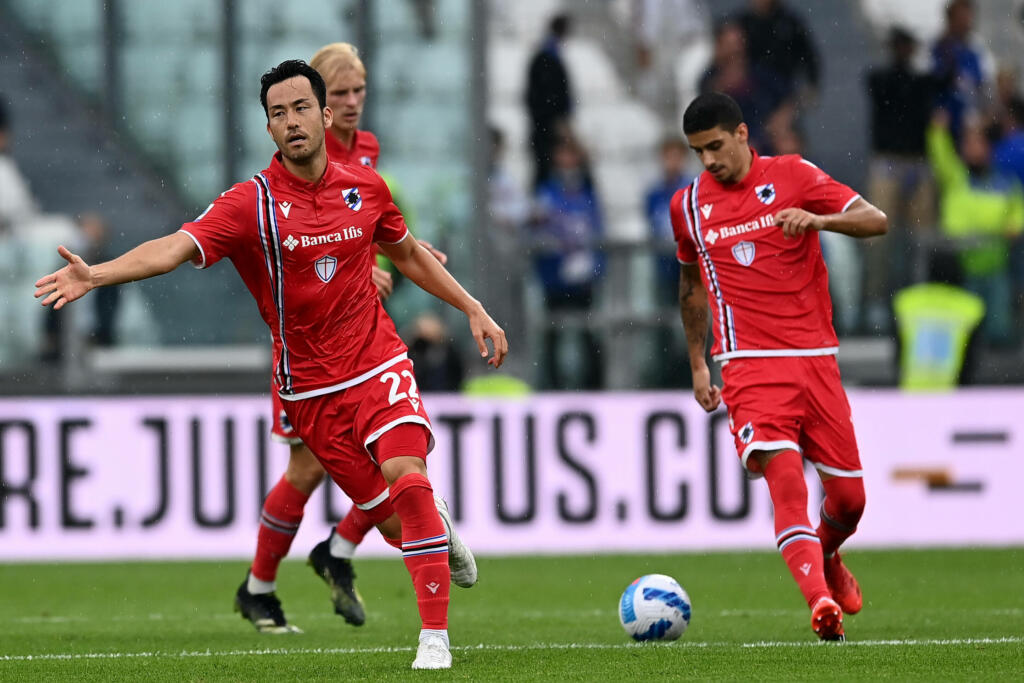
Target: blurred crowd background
point(538, 144)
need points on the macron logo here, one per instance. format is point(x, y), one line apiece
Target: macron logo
point(433, 586)
point(711, 236)
point(706, 210)
point(806, 568)
point(285, 208)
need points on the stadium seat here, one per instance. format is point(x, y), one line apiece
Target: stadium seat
point(592, 74)
point(507, 62)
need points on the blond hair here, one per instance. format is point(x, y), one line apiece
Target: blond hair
point(335, 57)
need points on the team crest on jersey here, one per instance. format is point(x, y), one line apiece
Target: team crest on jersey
point(366, 161)
point(325, 268)
point(747, 433)
point(765, 193)
point(744, 252)
point(353, 198)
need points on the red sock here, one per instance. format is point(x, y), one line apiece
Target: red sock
point(280, 519)
point(796, 539)
point(424, 547)
point(355, 525)
point(840, 512)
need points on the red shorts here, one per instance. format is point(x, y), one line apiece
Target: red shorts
point(339, 428)
point(282, 429)
point(795, 402)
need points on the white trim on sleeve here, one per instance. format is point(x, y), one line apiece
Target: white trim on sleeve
point(202, 254)
point(399, 241)
point(849, 203)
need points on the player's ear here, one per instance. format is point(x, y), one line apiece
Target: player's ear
point(742, 132)
point(328, 117)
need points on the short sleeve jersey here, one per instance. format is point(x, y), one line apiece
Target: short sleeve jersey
point(364, 150)
point(768, 294)
point(302, 250)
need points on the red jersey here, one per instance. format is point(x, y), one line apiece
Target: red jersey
point(302, 250)
point(768, 294)
point(364, 151)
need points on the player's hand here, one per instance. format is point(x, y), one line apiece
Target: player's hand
point(71, 282)
point(484, 328)
point(383, 281)
point(707, 394)
point(795, 222)
point(441, 257)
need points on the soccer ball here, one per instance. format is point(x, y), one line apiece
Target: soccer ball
point(654, 607)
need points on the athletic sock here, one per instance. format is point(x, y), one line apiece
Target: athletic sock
point(280, 519)
point(443, 633)
point(424, 547)
point(840, 512)
point(341, 547)
point(794, 536)
point(354, 526)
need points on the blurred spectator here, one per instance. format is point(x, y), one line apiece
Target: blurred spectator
point(962, 64)
point(900, 182)
point(1009, 153)
point(982, 210)
point(96, 249)
point(669, 348)
point(761, 94)
point(437, 361)
point(568, 262)
point(548, 96)
point(1007, 94)
point(674, 177)
point(666, 33)
point(778, 42)
point(508, 209)
point(16, 201)
point(96, 323)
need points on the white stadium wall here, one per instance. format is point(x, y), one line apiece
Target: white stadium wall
point(183, 476)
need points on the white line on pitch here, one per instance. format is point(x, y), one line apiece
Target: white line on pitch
point(502, 648)
point(529, 614)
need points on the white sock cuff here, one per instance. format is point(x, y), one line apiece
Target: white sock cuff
point(258, 587)
point(341, 547)
point(443, 632)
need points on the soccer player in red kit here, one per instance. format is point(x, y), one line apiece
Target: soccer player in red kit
point(343, 372)
point(747, 234)
point(345, 78)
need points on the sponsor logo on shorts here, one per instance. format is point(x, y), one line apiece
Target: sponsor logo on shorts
point(284, 423)
point(747, 433)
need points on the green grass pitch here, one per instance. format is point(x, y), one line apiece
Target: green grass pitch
point(928, 615)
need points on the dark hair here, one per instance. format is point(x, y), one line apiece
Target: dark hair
point(711, 110)
point(291, 68)
point(560, 25)
point(5, 120)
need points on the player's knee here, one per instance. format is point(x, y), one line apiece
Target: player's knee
point(846, 498)
point(304, 471)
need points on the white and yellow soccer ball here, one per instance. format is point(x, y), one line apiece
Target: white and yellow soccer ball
point(654, 607)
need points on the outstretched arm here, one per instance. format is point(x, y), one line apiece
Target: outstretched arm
point(76, 279)
point(861, 219)
point(693, 307)
point(420, 266)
